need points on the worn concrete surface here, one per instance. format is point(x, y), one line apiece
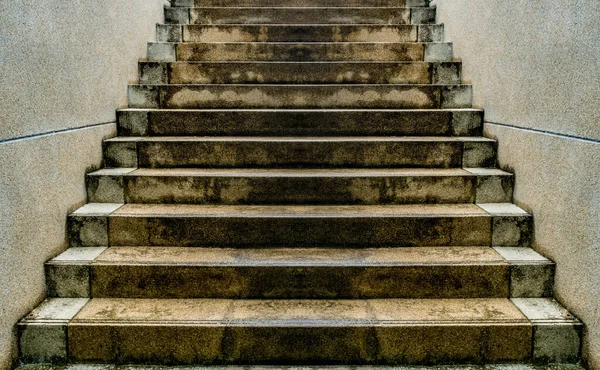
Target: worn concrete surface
point(292, 273)
point(351, 15)
point(353, 96)
point(268, 331)
point(300, 122)
point(312, 152)
point(295, 51)
point(300, 33)
point(43, 332)
point(299, 226)
point(281, 186)
point(304, 273)
point(300, 72)
point(298, 16)
point(557, 333)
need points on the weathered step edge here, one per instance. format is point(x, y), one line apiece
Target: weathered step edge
point(295, 152)
point(64, 330)
point(257, 122)
point(254, 15)
point(303, 3)
point(109, 224)
point(312, 51)
point(299, 33)
point(438, 73)
point(290, 96)
point(247, 186)
point(419, 272)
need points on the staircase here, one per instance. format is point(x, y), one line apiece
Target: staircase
point(300, 182)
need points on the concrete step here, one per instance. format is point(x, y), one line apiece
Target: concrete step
point(299, 72)
point(490, 224)
point(304, 96)
point(312, 273)
point(222, 331)
point(299, 186)
point(296, 152)
point(296, 15)
point(299, 3)
point(294, 51)
point(278, 122)
point(299, 33)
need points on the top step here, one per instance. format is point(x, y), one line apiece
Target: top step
point(300, 3)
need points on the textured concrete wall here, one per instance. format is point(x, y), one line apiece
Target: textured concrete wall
point(52, 53)
point(533, 64)
point(534, 69)
point(64, 69)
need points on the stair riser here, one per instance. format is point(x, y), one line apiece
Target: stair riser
point(388, 16)
point(126, 281)
point(393, 52)
point(300, 3)
point(291, 332)
point(356, 344)
point(299, 33)
point(272, 154)
point(299, 73)
point(300, 96)
point(306, 232)
point(171, 272)
point(299, 154)
point(273, 190)
point(300, 123)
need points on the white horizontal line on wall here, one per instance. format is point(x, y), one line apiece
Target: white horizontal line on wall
point(567, 136)
point(49, 133)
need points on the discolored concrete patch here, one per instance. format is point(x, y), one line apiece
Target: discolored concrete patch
point(295, 15)
point(295, 51)
point(351, 330)
point(172, 272)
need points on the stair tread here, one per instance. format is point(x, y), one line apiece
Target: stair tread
point(305, 257)
point(195, 210)
point(300, 313)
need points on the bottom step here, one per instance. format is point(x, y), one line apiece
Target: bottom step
point(223, 331)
